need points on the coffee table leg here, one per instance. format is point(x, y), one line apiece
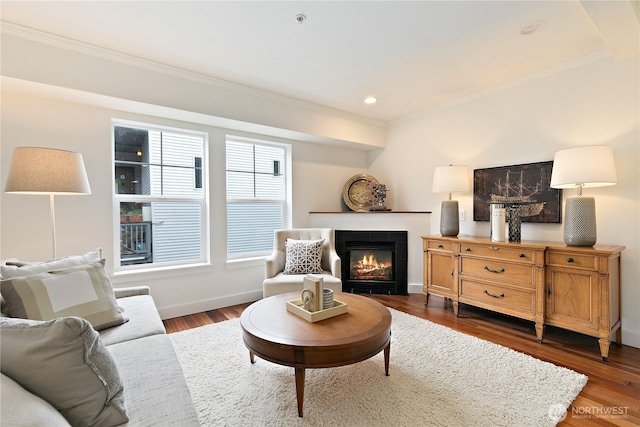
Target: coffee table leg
point(300, 389)
point(252, 357)
point(387, 352)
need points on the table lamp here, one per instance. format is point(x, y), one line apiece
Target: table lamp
point(450, 179)
point(47, 171)
point(582, 167)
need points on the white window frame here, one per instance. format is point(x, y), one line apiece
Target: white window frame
point(203, 200)
point(286, 203)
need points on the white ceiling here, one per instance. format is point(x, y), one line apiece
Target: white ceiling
point(410, 55)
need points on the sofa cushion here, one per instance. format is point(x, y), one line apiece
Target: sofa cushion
point(64, 362)
point(144, 320)
point(21, 408)
point(15, 268)
point(84, 291)
point(154, 386)
point(303, 256)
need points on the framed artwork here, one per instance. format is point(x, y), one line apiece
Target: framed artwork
point(525, 185)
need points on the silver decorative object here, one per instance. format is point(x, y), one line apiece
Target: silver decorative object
point(379, 193)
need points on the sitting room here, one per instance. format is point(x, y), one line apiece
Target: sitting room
point(460, 177)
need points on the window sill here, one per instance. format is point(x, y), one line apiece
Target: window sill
point(159, 272)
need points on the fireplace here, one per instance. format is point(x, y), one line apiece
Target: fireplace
point(373, 262)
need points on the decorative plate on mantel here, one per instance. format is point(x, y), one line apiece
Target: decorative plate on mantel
point(358, 193)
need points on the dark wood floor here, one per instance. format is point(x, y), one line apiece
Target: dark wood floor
point(610, 398)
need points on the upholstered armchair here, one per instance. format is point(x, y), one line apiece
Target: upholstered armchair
point(300, 261)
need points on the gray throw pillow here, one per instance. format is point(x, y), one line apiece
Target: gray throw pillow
point(84, 291)
point(303, 256)
point(15, 268)
point(64, 362)
point(21, 408)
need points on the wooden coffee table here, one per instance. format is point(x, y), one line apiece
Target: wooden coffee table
point(274, 334)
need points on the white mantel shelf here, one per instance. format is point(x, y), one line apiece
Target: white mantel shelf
point(416, 223)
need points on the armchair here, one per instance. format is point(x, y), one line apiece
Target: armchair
point(277, 282)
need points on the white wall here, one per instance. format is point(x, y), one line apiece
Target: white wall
point(596, 103)
point(86, 222)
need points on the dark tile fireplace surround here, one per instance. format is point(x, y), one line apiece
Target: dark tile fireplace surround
point(373, 262)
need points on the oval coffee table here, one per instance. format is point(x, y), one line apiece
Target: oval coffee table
point(274, 334)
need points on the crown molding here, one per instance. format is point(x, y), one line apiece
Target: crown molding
point(512, 84)
point(43, 37)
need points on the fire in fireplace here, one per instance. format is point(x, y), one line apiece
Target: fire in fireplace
point(373, 262)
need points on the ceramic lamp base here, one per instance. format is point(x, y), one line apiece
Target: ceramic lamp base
point(449, 219)
point(580, 221)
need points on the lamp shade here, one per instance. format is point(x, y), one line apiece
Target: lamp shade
point(451, 179)
point(36, 170)
point(590, 166)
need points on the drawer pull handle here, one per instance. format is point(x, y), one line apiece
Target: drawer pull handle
point(522, 255)
point(569, 260)
point(494, 296)
point(486, 267)
point(440, 246)
point(467, 249)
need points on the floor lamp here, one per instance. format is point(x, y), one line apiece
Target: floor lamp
point(47, 171)
point(579, 168)
point(450, 179)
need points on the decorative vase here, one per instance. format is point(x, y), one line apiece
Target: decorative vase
point(498, 222)
point(515, 224)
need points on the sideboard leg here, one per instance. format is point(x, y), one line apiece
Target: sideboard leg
point(604, 348)
point(539, 331)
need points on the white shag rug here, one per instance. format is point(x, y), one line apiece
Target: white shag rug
point(438, 377)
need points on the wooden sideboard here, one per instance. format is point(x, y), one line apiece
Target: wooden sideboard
point(549, 283)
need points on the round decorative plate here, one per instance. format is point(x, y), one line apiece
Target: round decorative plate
point(358, 193)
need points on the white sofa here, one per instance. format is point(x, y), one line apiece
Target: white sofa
point(155, 391)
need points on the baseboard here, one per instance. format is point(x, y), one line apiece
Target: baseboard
point(414, 288)
point(226, 301)
point(210, 304)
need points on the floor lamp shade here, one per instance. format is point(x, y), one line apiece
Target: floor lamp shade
point(579, 168)
point(450, 179)
point(37, 170)
point(47, 171)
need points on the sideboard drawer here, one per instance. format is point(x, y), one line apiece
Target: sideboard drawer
point(574, 260)
point(495, 295)
point(439, 245)
point(511, 272)
point(498, 252)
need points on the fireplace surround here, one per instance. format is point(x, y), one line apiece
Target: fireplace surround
point(373, 261)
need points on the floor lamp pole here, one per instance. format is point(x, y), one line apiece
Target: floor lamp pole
point(53, 224)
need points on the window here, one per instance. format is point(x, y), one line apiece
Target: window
point(257, 196)
point(160, 180)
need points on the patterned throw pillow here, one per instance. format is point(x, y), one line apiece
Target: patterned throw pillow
point(84, 291)
point(303, 256)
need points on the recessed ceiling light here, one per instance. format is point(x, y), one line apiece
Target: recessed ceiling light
point(532, 28)
point(300, 18)
point(370, 100)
